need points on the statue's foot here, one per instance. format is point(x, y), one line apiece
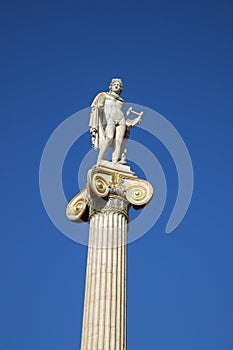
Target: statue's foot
point(118, 161)
point(122, 161)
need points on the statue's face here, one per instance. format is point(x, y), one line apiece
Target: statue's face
point(116, 87)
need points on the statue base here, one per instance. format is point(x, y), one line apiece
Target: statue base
point(116, 167)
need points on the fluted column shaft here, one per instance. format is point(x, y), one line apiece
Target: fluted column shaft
point(104, 318)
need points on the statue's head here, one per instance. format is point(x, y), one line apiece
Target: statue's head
point(116, 86)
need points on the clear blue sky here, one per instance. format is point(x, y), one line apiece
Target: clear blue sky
point(174, 57)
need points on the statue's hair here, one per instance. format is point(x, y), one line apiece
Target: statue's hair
point(118, 81)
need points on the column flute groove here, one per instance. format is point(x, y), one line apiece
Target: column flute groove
point(92, 294)
point(97, 284)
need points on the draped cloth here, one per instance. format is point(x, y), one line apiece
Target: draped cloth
point(98, 122)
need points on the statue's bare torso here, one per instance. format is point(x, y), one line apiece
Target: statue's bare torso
point(113, 110)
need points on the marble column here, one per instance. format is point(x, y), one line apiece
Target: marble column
point(105, 203)
point(104, 319)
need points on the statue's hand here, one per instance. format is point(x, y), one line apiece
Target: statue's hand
point(93, 131)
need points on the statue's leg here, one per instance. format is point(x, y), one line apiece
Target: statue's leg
point(119, 138)
point(123, 151)
point(109, 134)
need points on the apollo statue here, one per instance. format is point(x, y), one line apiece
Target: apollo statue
point(109, 126)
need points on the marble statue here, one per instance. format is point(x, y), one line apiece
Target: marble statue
point(109, 126)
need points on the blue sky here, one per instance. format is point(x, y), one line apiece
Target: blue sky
point(174, 57)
